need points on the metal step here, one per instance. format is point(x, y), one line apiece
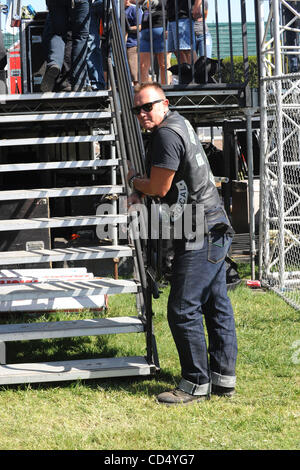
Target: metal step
point(54, 222)
point(45, 117)
point(64, 254)
point(67, 329)
point(53, 96)
point(54, 289)
point(57, 140)
point(60, 192)
point(67, 165)
point(73, 370)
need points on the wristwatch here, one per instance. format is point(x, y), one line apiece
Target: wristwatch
point(130, 181)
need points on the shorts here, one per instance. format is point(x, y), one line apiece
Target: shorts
point(158, 40)
point(184, 32)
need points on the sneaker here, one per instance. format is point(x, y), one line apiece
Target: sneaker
point(49, 78)
point(177, 397)
point(222, 391)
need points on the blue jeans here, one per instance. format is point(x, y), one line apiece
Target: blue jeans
point(186, 35)
point(157, 38)
point(63, 80)
point(94, 56)
point(198, 288)
point(77, 19)
point(200, 45)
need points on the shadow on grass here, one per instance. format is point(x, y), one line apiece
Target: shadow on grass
point(80, 348)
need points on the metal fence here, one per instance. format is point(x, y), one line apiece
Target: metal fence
point(201, 63)
point(280, 153)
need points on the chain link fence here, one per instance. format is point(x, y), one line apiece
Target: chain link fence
point(280, 230)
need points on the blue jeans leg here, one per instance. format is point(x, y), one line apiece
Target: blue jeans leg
point(56, 35)
point(80, 34)
point(62, 17)
point(94, 55)
point(200, 45)
point(198, 289)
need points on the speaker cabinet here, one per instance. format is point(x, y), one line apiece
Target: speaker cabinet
point(33, 61)
point(26, 240)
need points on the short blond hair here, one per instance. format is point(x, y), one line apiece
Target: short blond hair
point(155, 85)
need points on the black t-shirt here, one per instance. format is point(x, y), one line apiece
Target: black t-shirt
point(183, 9)
point(156, 14)
point(165, 149)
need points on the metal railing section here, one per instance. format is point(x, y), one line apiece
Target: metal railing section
point(189, 67)
point(131, 148)
point(279, 254)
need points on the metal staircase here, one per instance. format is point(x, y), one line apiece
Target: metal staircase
point(76, 137)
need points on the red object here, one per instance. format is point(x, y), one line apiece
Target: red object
point(14, 69)
point(253, 284)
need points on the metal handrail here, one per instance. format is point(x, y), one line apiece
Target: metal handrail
point(216, 6)
point(131, 148)
point(132, 133)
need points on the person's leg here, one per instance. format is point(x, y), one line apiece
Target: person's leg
point(181, 39)
point(80, 21)
point(133, 63)
point(57, 33)
point(199, 41)
point(145, 58)
point(198, 279)
point(209, 45)
point(46, 35)
point(185, 321)
point(220, 324)
point(54, 39)
point(164, 64)
point(189, 282)
point(163, 57)
point(63, 82)
point(200, 49)
point(145, 66)
point(94, 54)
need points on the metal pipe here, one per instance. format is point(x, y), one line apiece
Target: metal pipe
point(249, 113)
point(177, 41)
point(279, 118)
point(230, 41)
point(263, 229)
point(245, 53)
point(126, 95)
point(218, 39)
point(165, 40)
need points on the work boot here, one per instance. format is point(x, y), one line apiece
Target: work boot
point(177, 397)
point(49, 78)
point(222, 391)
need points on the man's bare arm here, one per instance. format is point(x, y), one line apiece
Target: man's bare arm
point(197, 9)
point(158, 184)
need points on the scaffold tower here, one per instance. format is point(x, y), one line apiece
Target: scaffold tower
point(279, 260)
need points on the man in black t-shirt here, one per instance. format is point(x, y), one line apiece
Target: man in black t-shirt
point(179, 174)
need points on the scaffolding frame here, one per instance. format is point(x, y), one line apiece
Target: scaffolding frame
point(279, 253)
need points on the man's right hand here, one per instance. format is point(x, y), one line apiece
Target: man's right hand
point(133, 199)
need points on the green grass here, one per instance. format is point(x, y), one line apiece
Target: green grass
point(112, 414)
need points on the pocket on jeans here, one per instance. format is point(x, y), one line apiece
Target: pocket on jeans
point(217, 247)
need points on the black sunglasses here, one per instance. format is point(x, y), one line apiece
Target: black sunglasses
point(145, 107)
